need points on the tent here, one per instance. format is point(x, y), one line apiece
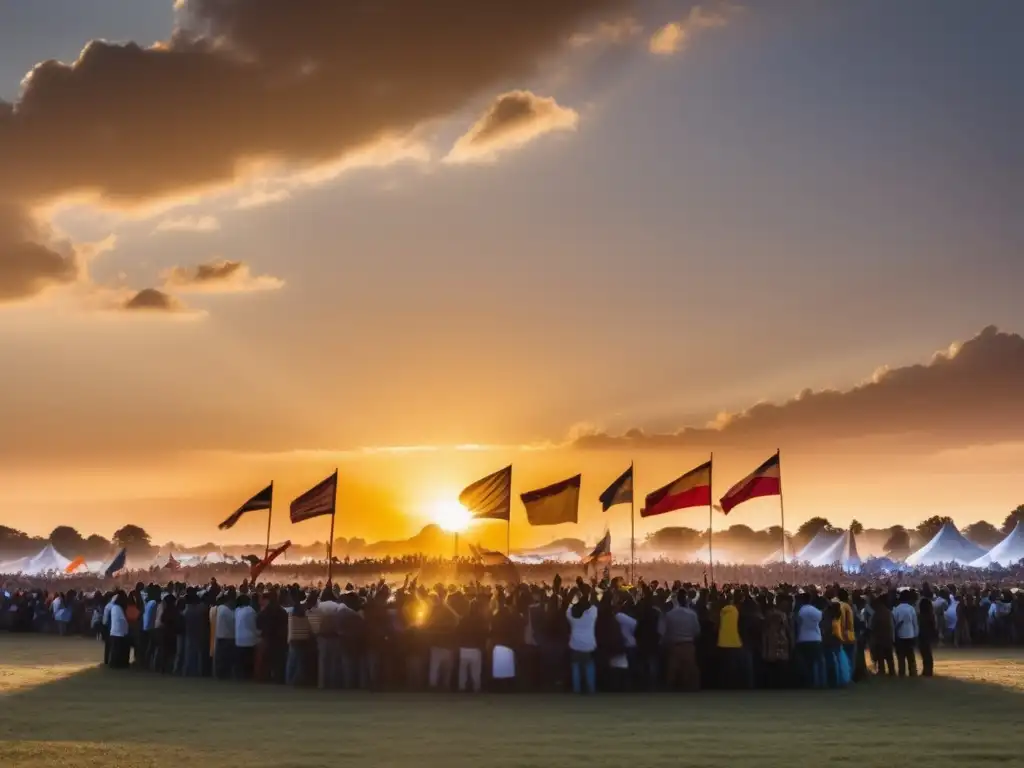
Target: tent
point(1007, 552)
point(948, 546)
point(843, 553)
point(817, 546)
point(48, 559)
point(776, 556)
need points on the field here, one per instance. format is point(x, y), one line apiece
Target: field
point(57, 707)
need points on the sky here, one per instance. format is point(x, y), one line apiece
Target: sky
point(244, 241)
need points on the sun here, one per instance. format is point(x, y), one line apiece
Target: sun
point(450, 515)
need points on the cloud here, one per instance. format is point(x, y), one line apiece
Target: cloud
point(189, 224)
point(219, 277)
point(152, 300)
point(613, 32)
point(260, 197)
point(676, 35)
point(30, 263)
point(240, 85)
point(512, 120)
point(969, 394)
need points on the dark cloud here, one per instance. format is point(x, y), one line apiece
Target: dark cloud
point(304, 82)
point(29, 264)
point(219, 277)
point(970, 394)
point(512, 120)
point(152, 300)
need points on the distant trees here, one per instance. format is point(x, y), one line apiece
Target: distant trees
point(674, 538)
point(1013, 518)
point(931, 526)
point(812, 528)
point(67, 541)
point(856, 527)
point(898, 543)
point(983, 533)
point(134, 538)
point(96, 547)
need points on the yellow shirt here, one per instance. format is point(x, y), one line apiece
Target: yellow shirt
point(729, 628)
point(849, 634)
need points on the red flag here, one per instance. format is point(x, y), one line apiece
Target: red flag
point(257, 569)
point(766, 480)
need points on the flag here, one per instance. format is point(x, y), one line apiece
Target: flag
point(690, 490)
point(555, 504)
point(766, 480)
point(251, 559)
point(117, 563)
point(602, 553)
point(490, 498)
point(257, 568)
point(172, 564)
point(75, 564)
point(317, 501)
point(619, 492)
point(262, 500)
point(488, 557)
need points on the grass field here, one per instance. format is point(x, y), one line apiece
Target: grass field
point(58, 708)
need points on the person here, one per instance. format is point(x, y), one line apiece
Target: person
point(246, 638)
point(882, 635)
point(730, 645)
point(197, 625)
point(471, 636)
point(440, 628)
point(905, 627)
point(224, 637)
point(776, 643)
point(809, 653)
point(119, 632)
point(582, 616)
point(300, 640)
point(928, 635)
point(682, 628)
point(272, 623)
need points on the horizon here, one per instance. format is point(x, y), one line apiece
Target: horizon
point(418, 251)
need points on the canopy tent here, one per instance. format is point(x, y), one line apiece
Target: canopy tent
point(843, 553)
point(817, 546)
point(776, 556)
point(1007, 552)
point(48, 559)
point(948, 546)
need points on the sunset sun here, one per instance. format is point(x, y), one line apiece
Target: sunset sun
point(450, 515)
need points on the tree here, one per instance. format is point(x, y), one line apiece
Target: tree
point(983, 533)
point(1012, 519)
point(856, 527)
point(898, 542)
point(96, 547)
point(928, 528)
point(133, 538)
point(812, 528)
point(674, 538)
point(67, 541)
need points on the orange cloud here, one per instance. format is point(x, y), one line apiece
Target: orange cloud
point(966, 395)
point(219, 277)
point(676, 35)
point(189, 224)
point(513, 119)
point(152, 300)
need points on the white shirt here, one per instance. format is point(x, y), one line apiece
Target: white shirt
point(225, 623)
point(56, 605)
point(246, 634)
point(581, 630)
point(106, 612)
point(808, 625)
point(904, 620)
point(118, 621)
point(628, 626)
point(951, 615)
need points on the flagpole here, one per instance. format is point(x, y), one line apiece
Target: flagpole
point(330, 541)
point(632, 525)
point(508, 524)
point(782, 506)
point(270, 512)
point(711, 517)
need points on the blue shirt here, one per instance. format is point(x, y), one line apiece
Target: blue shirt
point(149, 616)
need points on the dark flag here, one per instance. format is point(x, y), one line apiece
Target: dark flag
point(490, 498)
point(555, 504)
point(317, 501)
point(262, 500)
point(619, 492)
point(602, 554)
point(488, 557)
point(117, 563)
point(257, 568)
point(252, 559)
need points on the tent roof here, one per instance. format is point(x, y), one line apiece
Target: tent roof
point(948, 546)
point(843, 552)
point(48, 559)
point(1007, 552)
point(817, 546)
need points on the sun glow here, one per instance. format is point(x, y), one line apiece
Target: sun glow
point(450, 515)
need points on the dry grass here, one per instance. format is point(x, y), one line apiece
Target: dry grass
point(58, 708)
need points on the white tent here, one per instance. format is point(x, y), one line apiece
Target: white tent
point(1009, 551)
point(776, 556)
point(49, 559)
point(843, 553)
point(948, 546)
point(817, 546)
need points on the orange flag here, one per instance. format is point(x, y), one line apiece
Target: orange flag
point(257, 569)
point(75, 564)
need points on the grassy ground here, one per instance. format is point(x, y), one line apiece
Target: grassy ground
point(58, 708)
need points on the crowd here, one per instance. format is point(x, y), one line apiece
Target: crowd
point(585, 636)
